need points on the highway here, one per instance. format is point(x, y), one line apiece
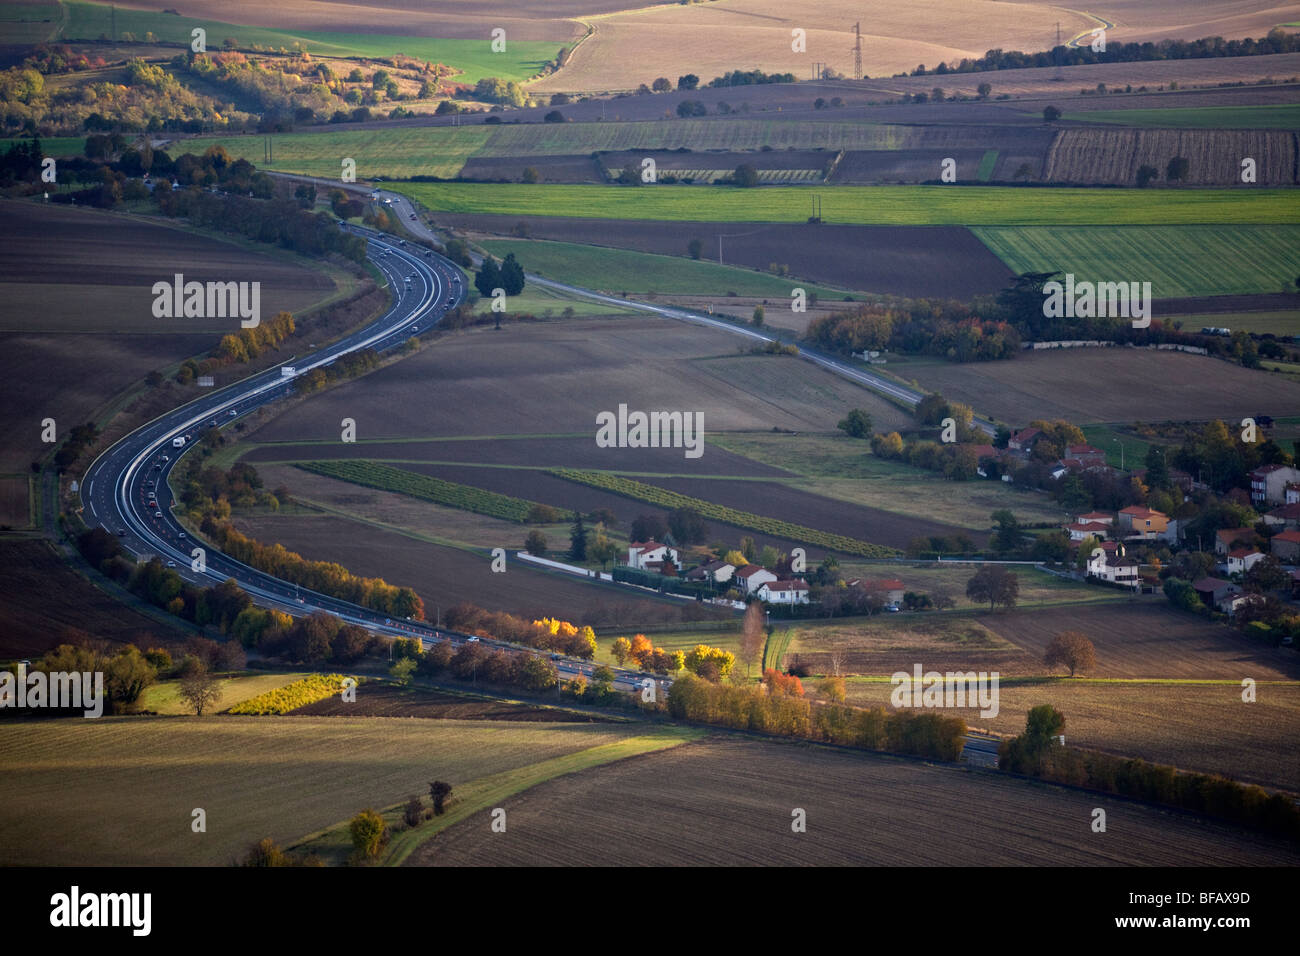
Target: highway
point(125, 490)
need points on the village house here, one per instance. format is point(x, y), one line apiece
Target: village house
point(715, 572)
point(891, 590)
point(1085, 455)
point(1292, 493)
point(1268, 484)
point(1225, 538)
point(1286, 546)
point(1100, 517)
point(649, 555)
point(784, 592)
point(1023, 440)
point(1113, 568)
point(1286, 516)
point(1241, 560)
point(751, 577)
point(1146, 523)
point(1083, 530)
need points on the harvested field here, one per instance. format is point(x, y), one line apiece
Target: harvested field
point(444, 576)
point(15, 507)
point(87, 355)
point(1200, 727)
point(727, 801)
point(942, 261)
point(384, 700)
point(1149, 639)
point(554, 378)
point(103, 786)
point(1113, 156)
point(814, 511)
point(1057, 384)
point(1180, 262)
point(46, 602)
point(549, 169)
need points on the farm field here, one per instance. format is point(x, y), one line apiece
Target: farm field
point(1267, 116)
point(727, 801)
point(444, 576)
point(1143, 639)
point(1285, 322)
point(1200, 727)
point(256, 777)
point(618, 270)
point(89, 354)
point(1181, 261)
point(28, 22)
point(15, 503)
point(525, 379)
point(385, 700)
point(387, 152)
point(1098, 156)
point(914, 261)
point(883, 205)
point(46, 603)
point(474, 57)
point(1056, 384)
point(164, 697)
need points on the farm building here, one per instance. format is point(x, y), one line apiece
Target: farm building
point(890, 589)
point(1024, 439)
point(1083, 530)
point(1213, 590)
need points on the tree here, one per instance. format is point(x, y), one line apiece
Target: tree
point(403, 671)
point(662, 85)
point(1051, 114)
point(1008, 535)
point(621, 649)
point(414, 811)
point(369, 833)
point(578, 539)
point(530, 174)
point(512, 275)
point(603, 549)
point(488, 277)
point(688, 82)
point(554, 116)
point(687, 526)
point(1266, 575)
point(1071, 649)
point(199, 688)
point(995, 585)
point(127, 674)
point(759, 315)
point(745, 175)
point(752, 636)
point(1177, 169)
point(984, 89)
point(1043, 723)
point(535, 543)
point(857, 424)
point(439, 791)
point(1146, 174)
point(648, 527)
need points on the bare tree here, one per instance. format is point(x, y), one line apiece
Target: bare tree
point(752, 637)
point(199, 688)
point(838, 657)
point(1071, 649)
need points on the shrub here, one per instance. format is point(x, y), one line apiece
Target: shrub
point(369, 833)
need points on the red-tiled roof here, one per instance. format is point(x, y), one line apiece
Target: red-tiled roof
point(1291, 536)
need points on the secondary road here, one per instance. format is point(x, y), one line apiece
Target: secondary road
point(126, 491)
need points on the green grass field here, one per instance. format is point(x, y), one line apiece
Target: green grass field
point(24, 23)
point(1284, 322)
point(885, 205)
point(1177, 261)
point(521, 60)
point(164, 697)
point(1276, 116)
point(388, 153)
point(621, 270)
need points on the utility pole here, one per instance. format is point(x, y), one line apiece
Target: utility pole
point(1060, 65)
point(857, 50)
point(719, 248)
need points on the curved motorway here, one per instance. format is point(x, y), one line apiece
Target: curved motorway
point(125, 490)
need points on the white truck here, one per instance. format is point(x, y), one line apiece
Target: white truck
point(178, 442)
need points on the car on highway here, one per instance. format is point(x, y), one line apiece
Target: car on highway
point(157, 514)
point(232, 413)
point(471, 640)
point(412, 215)
point(171, 564)
point(182, 534)
point(121, 532)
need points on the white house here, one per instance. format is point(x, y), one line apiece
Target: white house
point(1242, 560)
point(1083, 530)
point(1268, 484)
point(649, 555)
point(1112, 568)
point(784, 592)
point(719, 572)
point(751, 577)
